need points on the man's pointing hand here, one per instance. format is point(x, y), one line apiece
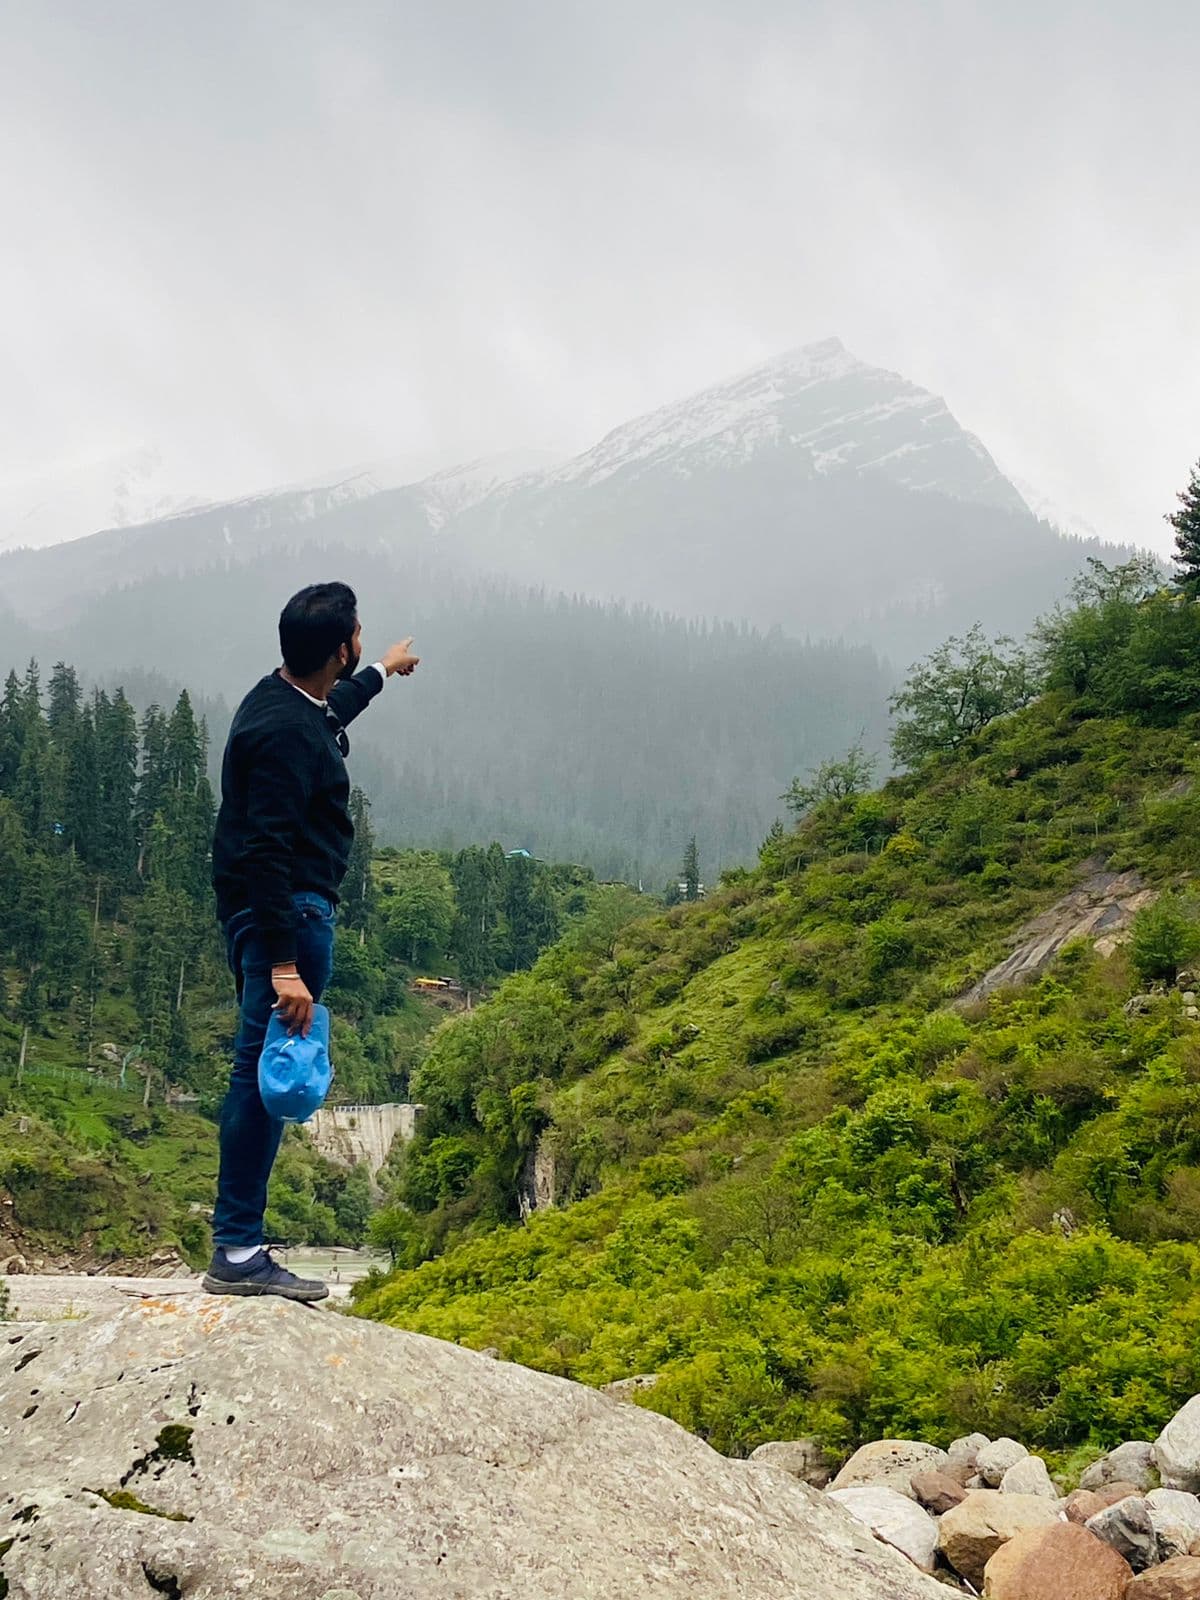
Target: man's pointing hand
point(399, 658)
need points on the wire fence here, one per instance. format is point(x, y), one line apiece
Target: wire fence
point(80, 1077)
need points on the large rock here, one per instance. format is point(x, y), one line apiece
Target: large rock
point(1177, 1449)
point(994, 1460)
point(894, 1518)
point(937, 1491)
point(1084, 1503)
point(1132, 1462)
point(1127, 1527)
point(1030, 1475)
point(1178, 1579)
point(967, 1448)
point(970, 1535)
point(1061, 1561)
point(802, 1458)
point(962, 1455)
point(890, 1463)
point(1175, 1518)
point(312, 1453)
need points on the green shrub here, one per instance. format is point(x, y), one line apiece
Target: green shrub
point(1166, 937)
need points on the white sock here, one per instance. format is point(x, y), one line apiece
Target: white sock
point(238, 1254)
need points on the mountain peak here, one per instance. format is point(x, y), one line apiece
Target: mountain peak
point(826, 409)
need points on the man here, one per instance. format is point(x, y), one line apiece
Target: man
point(280, 851)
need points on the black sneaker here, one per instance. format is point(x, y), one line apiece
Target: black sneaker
point(260, 1275)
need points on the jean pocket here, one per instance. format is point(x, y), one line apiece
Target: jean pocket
point(313, 908)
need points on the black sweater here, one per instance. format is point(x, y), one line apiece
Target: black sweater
point(284, 823)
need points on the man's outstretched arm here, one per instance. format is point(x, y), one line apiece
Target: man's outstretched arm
point(354, 695)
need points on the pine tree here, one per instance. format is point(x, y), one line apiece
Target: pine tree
point(81, 785)
point(33, 786)
point(519, 912)
point(183, 748)
point(1186, 522)
point(470, 871)
point(65, 702)
point(153, 781)
point(12, 733)
point(116, 767)
point(358, 897)
point(691, 871)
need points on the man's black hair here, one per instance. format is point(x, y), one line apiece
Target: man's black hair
point(314, 623)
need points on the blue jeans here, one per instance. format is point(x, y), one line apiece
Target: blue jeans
point(249, 1137)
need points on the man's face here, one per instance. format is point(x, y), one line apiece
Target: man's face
point(353, 653)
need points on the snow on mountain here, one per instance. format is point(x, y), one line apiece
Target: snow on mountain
point(445, 495)
point(818, 402)
point(57, 501)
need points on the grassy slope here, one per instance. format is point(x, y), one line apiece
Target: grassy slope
point(807, 1193)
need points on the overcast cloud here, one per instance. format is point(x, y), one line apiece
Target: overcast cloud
point(271, 239)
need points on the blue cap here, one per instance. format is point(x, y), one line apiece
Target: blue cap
point(294, 1073)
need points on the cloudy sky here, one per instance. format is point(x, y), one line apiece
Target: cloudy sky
point(269, 238)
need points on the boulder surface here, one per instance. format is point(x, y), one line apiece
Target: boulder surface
point(1131, 1462)
point(994, 1460)
point(1175, 1518)
point(1061, 1561)
point(890, 1463)
point(1127, 1527)
point(894, 1518)
point(1029, 1475)
point(802, 1458)
point(1177, 1449)
point(1177, 1579)
point(212, 1448)
point(970, 1534)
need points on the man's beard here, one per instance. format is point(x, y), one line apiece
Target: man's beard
point(351, 667)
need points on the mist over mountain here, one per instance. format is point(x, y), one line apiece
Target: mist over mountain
point(814, 496)
point(814, 492)
point(573, 729)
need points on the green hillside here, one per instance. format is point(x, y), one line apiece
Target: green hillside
point(798, 1182)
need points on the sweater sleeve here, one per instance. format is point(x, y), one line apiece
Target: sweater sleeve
point(279, 781)
point(353, 695)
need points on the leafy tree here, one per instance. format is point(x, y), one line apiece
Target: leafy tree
point(419, 911)
point(839, 779)
point(1186, 523)
point(1077, 642)
point(1166, 937)
point(955, 692)
point(395, 1230)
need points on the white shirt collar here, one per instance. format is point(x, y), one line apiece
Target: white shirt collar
point(309, 697)
point(324, 704)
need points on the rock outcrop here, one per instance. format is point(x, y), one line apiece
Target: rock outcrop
point(211, 1448)
point(1101, 908)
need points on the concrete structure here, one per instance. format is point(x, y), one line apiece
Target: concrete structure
point(350, 1134)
